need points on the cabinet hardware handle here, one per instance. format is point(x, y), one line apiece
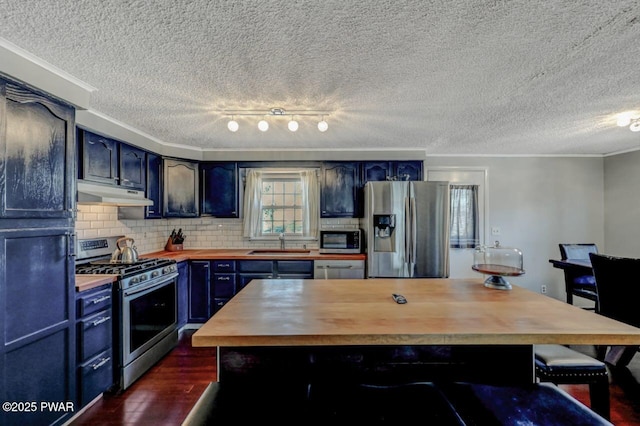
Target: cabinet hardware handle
point(224, 278)
point(100, 299)
point(100, 363)
point(100, 321)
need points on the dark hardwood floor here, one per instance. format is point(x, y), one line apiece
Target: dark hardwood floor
point(166, 393)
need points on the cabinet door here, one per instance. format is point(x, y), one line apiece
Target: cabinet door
point(133, 166)
point(37, 346)
point(408, 170)
point(199, 291)
point(339, 195)
point(37, 149)
point(376, 171)
point(99, 159)
point(154, 186)
point(180, 189)
point(183, 293)
point(219, 189)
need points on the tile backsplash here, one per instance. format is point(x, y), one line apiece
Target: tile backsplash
point(204, 232)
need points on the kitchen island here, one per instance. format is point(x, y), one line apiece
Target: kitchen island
point(282, 337)
point(473, 330)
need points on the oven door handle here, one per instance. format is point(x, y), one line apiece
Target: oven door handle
point(139, 289)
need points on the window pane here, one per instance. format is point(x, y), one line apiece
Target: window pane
point(280, 197)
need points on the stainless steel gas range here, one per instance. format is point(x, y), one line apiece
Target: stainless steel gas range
point(145, 311)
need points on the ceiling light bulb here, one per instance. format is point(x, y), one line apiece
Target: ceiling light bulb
point(635, 126)
point(623, 120)
point(233, 125)
point(263, 125)
point(323, 126)
point(293, 125)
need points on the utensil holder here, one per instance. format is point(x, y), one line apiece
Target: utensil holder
point(173, 247)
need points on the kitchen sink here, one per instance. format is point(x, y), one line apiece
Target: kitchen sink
point(279, 251)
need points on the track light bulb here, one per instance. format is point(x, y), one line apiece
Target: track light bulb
point(263, 125)
point(293, 125)
point(635, 126)
point(233, 125)
point(323, 126)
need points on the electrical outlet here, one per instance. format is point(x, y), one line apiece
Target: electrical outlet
point(543, 289)
point(495, 230)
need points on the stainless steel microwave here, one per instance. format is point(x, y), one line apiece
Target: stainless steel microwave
point(341, 241)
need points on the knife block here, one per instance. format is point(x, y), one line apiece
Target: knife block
point(173, 247)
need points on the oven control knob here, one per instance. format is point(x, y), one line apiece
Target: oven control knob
point(143, 277)
point(134, 280)
point(155, 274)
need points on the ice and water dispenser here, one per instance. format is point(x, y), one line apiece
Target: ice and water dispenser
point(384, 226)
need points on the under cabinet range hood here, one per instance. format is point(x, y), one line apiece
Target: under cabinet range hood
point(90, 193)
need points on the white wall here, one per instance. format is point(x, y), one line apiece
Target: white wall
point(539, 202)
point(622, 204)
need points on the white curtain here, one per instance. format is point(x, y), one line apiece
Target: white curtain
point(310, 203)
point(252, 204)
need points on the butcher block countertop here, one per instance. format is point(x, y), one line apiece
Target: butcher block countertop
point(246, 254)
point(86, 282)
point(438, 312)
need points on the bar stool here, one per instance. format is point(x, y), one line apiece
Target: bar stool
point(561, 365)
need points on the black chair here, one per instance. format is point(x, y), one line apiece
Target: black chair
point(618, 288)
point(577, 283)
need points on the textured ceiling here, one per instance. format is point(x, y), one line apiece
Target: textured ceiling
point(449, 77)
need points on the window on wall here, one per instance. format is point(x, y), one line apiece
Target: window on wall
point(465, 227)
point(277, 202)
point(281, 205)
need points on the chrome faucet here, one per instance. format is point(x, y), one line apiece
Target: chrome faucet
point(281, 240)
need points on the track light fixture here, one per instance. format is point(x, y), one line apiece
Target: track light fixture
point(631, 119)
point(263, 124)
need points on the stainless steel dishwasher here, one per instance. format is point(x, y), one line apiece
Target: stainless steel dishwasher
point(338, 269)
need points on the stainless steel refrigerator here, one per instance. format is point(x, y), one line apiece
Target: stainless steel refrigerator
point(406, 227)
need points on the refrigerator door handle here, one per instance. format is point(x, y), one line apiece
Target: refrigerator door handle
point(414, 228)
point(407, 231)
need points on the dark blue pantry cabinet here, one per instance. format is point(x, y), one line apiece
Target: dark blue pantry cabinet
point(37, 202)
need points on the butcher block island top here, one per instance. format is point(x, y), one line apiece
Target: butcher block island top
point(438, 312)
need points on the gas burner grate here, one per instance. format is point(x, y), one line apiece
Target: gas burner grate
point(122, 269)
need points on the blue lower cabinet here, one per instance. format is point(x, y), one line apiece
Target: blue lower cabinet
point(94, 331)
point(95, 376)
point(218, 303)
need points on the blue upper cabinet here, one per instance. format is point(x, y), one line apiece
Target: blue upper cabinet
point(111, 162)
point(180, 189)
point(37, 145)
point(99, 158)
point(219, 185)
point(376, 171)
point(133, 167)
point(340, 189)
point(391, 170)
point(154, 186)
point(408, 170)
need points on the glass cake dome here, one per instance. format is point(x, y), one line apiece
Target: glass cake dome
point(498, 262)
